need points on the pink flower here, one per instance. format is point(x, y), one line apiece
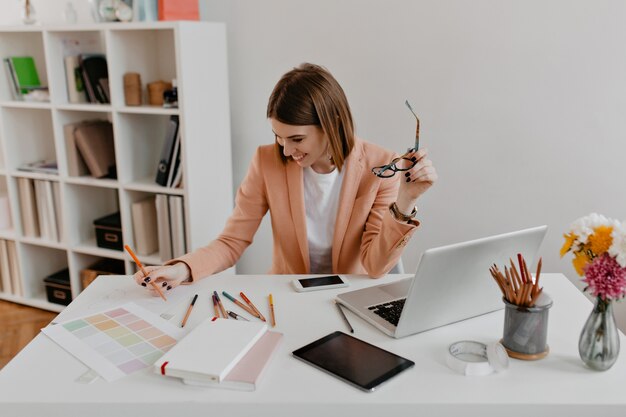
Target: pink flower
point(605, 278)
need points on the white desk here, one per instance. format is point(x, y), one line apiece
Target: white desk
point(40, 380)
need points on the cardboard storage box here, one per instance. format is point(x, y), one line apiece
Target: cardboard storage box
point(109, 232)
point(104, 266)
point(58, 289)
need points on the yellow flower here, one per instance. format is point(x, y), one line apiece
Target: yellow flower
point(570, 238)
point(579, 262)
point(600, 240)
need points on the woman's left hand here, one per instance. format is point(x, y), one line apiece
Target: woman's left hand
point(415, 182)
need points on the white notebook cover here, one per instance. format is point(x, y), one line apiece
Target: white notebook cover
point(211, 350)
point(248, 371)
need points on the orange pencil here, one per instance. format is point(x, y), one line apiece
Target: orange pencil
point(195, 297)
point(256, 310)
point(143, 271)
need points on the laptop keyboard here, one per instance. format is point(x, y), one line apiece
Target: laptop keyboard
point(389, 311)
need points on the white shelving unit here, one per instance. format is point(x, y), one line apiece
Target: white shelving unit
point(194, 53)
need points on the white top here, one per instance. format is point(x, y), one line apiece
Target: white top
point(321, 199)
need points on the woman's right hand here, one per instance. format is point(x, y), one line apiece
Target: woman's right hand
point(165, 277)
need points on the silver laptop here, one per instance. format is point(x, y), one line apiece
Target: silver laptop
point(452, 283)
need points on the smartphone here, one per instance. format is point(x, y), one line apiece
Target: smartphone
point(319, 283)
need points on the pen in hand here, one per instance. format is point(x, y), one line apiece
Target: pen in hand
point(344, 316)
point(143, 271)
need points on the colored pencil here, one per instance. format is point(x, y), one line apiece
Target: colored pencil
point(247, 300)
point(195, 297)
point(240, 304)
point(143, 271)
point(344, 316)
point(221, 306)
point(236, 316)
point(215, 307)
point(272, 315)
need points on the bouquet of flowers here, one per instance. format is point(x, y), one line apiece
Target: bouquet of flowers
point(599, 247)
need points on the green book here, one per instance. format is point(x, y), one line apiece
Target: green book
point(25, 72)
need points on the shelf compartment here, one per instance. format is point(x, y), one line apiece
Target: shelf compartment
point(86, 204)
point(70, 43)
point(79, 261)
point(150, 53)
point(28, 136)
point(64, 118)
point(44, 261)
point(22, 44)
point(139, 141)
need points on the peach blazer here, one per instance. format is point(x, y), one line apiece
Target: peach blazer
point(367, 238)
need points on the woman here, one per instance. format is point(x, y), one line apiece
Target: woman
point(329, 213)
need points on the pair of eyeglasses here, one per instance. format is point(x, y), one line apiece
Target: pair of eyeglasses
point(402, 163)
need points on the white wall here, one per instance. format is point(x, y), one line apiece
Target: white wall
point(522, 102)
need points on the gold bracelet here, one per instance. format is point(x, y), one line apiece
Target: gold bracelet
point(401, 216)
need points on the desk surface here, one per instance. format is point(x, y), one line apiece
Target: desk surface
point(40, 379)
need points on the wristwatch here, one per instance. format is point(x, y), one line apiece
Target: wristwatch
point(401, 216)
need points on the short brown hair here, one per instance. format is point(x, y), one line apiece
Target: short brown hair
point(310, 95)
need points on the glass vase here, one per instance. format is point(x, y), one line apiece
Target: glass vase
point(598, 345)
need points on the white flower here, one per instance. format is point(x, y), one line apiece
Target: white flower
point(618, 247)
point(585, 226)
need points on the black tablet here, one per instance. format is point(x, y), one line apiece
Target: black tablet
point(354, 361)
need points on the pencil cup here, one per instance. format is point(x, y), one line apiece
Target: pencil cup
point(132, 89)
point(526, 329)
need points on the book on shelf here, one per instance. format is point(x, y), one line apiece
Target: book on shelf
point(28, 205)
point(94, 141)
point(175, 162)
point(145, 227)
point(5, 213)
point(76, 166)
point(211, 350)
point(5, 269)
point(166, 161)
point(14, 267)
point(74, 80)
point(95, 74)
point(56, 205)
point(42, 166)
point(248, 372)
point(177, 225)
point(22, 74)
point(163, 227)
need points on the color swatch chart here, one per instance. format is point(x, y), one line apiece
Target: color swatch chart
point(116, 342)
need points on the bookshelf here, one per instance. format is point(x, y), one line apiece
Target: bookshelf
point(193, 53)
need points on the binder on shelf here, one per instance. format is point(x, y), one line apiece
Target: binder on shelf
point(228, 340)
point(175, 162)
point(94, 71)
point(74, 80)
point(14, 268)
point(24, 73)
point(51, 215)
point(95, 143)
point(5, 269)
point(145, 227)
point(247, 373)
point(42, 209)
point(163, 227)
point(28, 205)
point(167, 153)
point(58, 214)
point(76, 166)
point(177, 225)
